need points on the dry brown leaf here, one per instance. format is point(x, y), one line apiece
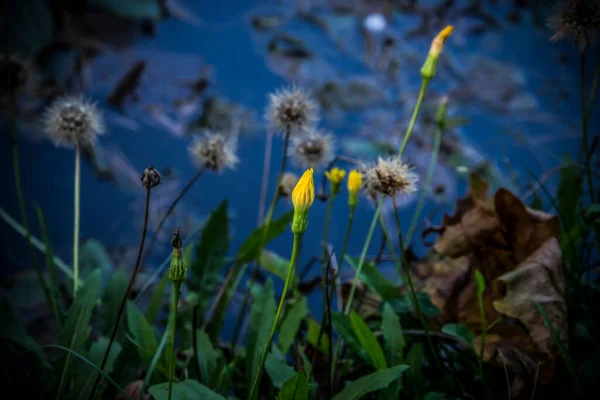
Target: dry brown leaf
point(517, 251)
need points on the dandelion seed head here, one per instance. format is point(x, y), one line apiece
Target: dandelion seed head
point(313, 150)
point(291, 110)
point(214, 151)
point(73, 122)
point(577, 20)
point(390, 177)
point(288, 183)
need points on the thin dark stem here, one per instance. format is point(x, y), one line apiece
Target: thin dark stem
point(329, 328)
point(126, 296)
point(169, 211)
point(379, 256)
point(413, 292)
point(326, 313)
point(307, 267)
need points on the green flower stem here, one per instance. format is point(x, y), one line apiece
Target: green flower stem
point(413, 119)
point(584, 123)
point(432, 163)
point(363, 256)
point(173, 327)
point(76, 227)
point(293, 260)
point(267, 225)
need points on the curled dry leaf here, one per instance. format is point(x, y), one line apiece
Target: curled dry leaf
point(517, 251)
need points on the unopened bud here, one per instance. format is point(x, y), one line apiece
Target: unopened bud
point(177, 269)
point(150, 178)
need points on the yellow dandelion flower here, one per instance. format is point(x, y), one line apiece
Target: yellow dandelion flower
point(335, 176)
point(303, 196)
point(437, 45)
point(354, 184)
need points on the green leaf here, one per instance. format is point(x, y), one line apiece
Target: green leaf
point(77, 326)
point(57, 308)
point(343, 325)
point(251, 248)
point(295, 388)
point(569, 192)
point(371, 383)
point(111, 302)
point(88, 362)
point(460, 331)
point(277, 265)
point(480, 283)
point(368, 341)
point(262, 316)
point(313, 336)
point(393, 336)
point(86, 374)
point(156, 300)
point(290, 324)
point(212, 248)
point(415, 359)
point(208, 357)
point(11, 329)
point(143, 336)
point(374, 279)
point(278, 370)
point(185, 390)
point(403, 305)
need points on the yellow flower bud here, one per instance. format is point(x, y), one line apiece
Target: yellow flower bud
point(437, 45)
point(303, 196)
point(354, 183)
point(335, 176)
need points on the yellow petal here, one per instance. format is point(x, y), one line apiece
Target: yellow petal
point(303, 194)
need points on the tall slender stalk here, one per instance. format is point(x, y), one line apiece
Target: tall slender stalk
point(169, 211)
point(173, 327)
point(325, 265)
point(76, 204)
point(293, 260)
point(267, 224)
point(584, 123)
point(126, 295)
point(264, 186)
point(17, 174)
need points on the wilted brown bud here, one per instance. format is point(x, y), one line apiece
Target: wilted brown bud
point(150, 177)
